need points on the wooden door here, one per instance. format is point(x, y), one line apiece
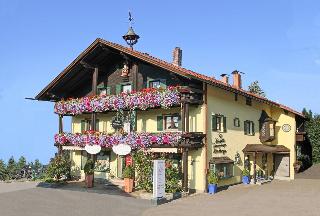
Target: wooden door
point(282, 167)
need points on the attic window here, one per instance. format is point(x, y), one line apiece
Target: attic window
point(248, 101)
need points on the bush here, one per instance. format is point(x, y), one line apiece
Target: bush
point(172, 178)
point(128, 172)
point(245, 172)
point(213, 178)
point(89, 167)
point(143, 166)
point(59, 167)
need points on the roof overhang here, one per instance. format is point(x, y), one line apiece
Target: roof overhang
point(261, 148)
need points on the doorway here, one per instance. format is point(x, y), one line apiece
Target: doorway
point(282, 165)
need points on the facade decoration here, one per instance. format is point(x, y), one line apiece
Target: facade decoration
point(142, 100)
point(134, 140)
point(220, 145)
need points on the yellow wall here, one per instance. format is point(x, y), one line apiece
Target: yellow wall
point(223, 102)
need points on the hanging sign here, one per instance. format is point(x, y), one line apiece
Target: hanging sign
point(121, 149)
point(159, 180)
point(117, 123)
point(93, 149)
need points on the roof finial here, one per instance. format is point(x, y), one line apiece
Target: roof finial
point(131, 37)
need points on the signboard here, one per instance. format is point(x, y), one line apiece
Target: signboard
point(117, 123)
point(121, 149)
point(128, 160)
point(159, 178)
point(93, 149)
point(126, 127)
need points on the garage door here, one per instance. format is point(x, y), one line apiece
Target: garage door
point(282, 168)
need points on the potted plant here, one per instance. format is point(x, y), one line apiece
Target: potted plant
point(245, 176)
point(89, 172)
point(212, 182)
point(128, 175)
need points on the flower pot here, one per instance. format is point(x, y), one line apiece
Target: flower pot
point(128, 185)
point(212, 188)
point(245, 179)
point(89, 181)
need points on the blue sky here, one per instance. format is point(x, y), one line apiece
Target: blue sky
point(275, 41)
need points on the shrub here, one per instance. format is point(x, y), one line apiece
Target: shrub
point(172, 178)
point(128, 172)
point(245, 172)
point(143, 166)
point(213, 178)
point(89, 167)
point(59, 167)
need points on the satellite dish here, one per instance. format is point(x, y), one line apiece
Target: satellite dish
point(121, 149)
point(93, 149)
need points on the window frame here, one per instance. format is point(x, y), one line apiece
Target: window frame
point(154, 81)
point(236, 122)
point(220, 123)
point(213, 168)
point(249, 128)
point(126, 84)
point(164, 122)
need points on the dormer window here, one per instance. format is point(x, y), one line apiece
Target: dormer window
point(267, 128)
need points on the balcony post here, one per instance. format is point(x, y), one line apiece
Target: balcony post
point(254, 167)
point(60, 132)
point(185, 128)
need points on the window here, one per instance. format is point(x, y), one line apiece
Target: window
point(103, 161)
point(236, 122)
point(169, 122)
point(249, 128)
point(219, 123)
point(155, 84)
point(126, 88)
point(224, 170)
point(86, 125)
point(248, 101)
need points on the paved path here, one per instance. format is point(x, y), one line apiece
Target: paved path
point(16, 186)
point(38, 201)
point(295, 198)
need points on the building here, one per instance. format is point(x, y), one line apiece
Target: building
point(204, 122)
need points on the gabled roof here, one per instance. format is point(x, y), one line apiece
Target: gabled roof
point(167, 66)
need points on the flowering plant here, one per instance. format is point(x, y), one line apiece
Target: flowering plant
point(135, 140)
point(144, 99)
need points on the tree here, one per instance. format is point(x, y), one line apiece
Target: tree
point(255, 88)
point(3, 171)
point(313, 131)
point(12, 168)
point(21, 163)
point(59, 167)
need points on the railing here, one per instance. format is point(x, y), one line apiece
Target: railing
point(136, 140)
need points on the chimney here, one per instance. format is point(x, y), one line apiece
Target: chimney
point(237, 79)
point(224, 78)
point(177, 56)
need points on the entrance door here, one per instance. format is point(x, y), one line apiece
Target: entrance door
point(281, 163)
point(120, 166)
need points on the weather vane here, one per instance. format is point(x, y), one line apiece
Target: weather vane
point(131, 37)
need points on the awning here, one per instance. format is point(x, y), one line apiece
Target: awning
point(266, 148)
point(221, 160)
point(163, 150)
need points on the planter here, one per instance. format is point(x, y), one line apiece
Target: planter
point(245, 179)
point(128, 185)
point(212, 188)
point(89, 181)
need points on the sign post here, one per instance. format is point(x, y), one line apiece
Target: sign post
point(159, 180)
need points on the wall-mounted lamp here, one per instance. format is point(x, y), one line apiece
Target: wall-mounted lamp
point(237, 158)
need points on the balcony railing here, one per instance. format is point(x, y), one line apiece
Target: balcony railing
point(141, 100)
point(136, 140)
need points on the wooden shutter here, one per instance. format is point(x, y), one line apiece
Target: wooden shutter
point(108, 90)
point(245, 127)
point(224, 124)
point(214, 123)
point(253, 131)
point(97, 124)
point(159, 123)
point(83, 126)
point(118, 88)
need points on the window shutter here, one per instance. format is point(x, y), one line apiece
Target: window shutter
point(253, 131)
point(214, 123)
point(159, 123)
point(148, 82)
point(97, 124)
point(108, 90)
point(83, 126)
point(163, 83)
point(179, 124)
point(118, 88)
point(224, 124)
point(245, 127)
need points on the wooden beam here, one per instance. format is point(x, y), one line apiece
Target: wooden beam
point(185, 169)
point(255, 167)
point(187, 117)
point(60, 131)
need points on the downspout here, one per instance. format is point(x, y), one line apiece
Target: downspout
point(205, 90)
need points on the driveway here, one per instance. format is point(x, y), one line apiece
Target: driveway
point(27, 199)
point(294, 198)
